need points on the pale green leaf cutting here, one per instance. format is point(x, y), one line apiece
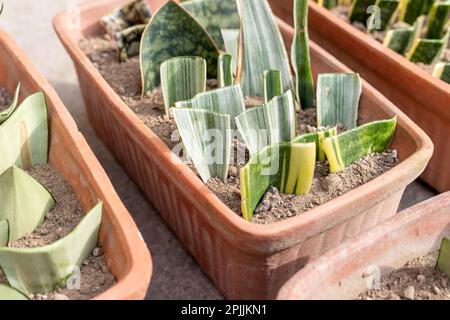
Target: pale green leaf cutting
point(261, 48)
point(228, 100)
point(300, 56)
point(317, 137)
point(231, 39)
point(338, 99)
point(443, 263)
point(344, 149)
point(273, 85)
point(24, 136)
point(24, 202)
point(4, 115)
point(225, 75)
point(270, 123)
point(206, 137)
point(181, 79)
point(214, 15)
point(287, 166)
point(40, 270)
point(8, 293)
point(4, 233)
point(173, 32)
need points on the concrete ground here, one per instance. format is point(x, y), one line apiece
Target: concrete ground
point(176, 275)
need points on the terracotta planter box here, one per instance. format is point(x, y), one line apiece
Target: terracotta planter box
point(244, 260)
point(424, 98)
point(125, 250)
point(411, 234)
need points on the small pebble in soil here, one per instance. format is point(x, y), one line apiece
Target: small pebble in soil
point(409, 293)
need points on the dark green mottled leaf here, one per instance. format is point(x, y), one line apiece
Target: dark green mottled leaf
point(438, 19)
point(172, 32)
point(133, 13)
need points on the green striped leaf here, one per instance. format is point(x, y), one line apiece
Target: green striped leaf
point(273, 85)
point(231, 39)
point(438, 19)
point(384, 13)
point(443, 262)
point(8, 293)
point(270, 123)
point(344, 149)
point(358, 12)
point(215, 15)
point(133, 13)
point(4, 115)
point(228, 100)
point(329, 4)
point(206, 137)
point(401, 40)
point(262, 48)
point(181, 79)
point(4, 233)
point(287, 166)
point(225, 70)
point(173, 32)
point(40, 270)
point(410, 10)
point(426, 51)
point(317, 137)
point(442, 71)
point(24, 136)
point(338, 99)
point(129, 41)
point(300, 56)
point(24, 202)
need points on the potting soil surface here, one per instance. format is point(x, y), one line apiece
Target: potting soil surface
point(60, 221)
point(418, 279)
point(125, 79)
point(343, 11)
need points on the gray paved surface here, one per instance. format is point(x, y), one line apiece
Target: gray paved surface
point(175, 275)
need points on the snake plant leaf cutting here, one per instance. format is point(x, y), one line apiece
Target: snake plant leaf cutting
point(131, 14)
point(358, 12)
point(287, 166)
point(442, 71)
point(24, 202)
point(270, 123)
point(261, 48)
point(24, 136)
point(329, 4)
point(181, 79)
point(129, 41)
point(40, 270)
point(231, 39)
point(8, 293)
point(273, 85)
point(206, 137)
point(4, 115)
point(443, 263)
point(4, 232)
point(338, 99)
point(385, 12)
point(225, 69)
point(173, 32)
point(426, 51)
point(300, 56)
point(228, 100)
point(401, 40)
point(438, 18)
point(215, 15)
point(410, 10)
point(317, 137)
point(344, 149)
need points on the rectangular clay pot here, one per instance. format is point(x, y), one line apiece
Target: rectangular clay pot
point(126, 252)
point(244, 260)
point(338, 274)
point(424, 98)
